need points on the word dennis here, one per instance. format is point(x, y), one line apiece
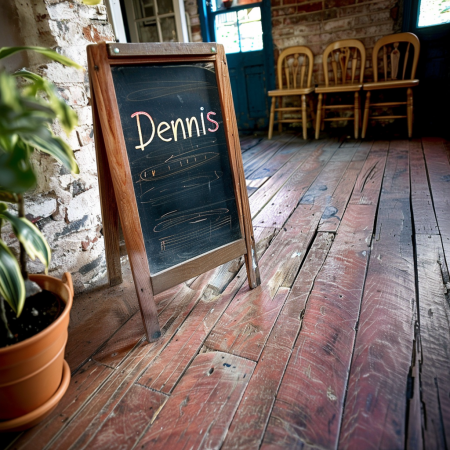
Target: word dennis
point(164, 127)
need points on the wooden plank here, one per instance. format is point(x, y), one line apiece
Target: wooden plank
point(165, 371)
point(269, 188)
point(199, 411)
point(248, 142)
point(260, 159)
point(137, 409)
point(435, 339)
point(103, 85)
point(375, 410)
point(82, 386)
point(110, 211)
point(284, 202)
point(250, 420)
point(422, 203)
point(196, 266)
point(439, 175)
point(277, 161)
point(94, 321)
point(246, 324)
point(367, 186)
point(309, 403)
point(209, 286)
point(161, 49)
point(337, 203)
point(325, 184)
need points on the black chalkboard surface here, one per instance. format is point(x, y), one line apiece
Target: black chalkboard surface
point(169, 166)
point(177, 150)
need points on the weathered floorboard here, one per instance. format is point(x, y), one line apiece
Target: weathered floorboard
point(201, 407)
point(375, 408)
point(249, 423)
point(309, 403)
point(435, 339)
point(137, 409)
point(422, 203)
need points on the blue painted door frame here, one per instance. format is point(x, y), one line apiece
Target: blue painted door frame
point(252, 73)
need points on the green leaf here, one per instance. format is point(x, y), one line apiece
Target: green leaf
point(31, 238)
point(12, 286)
point(92, 2)
point(16, 172)
point(44, 140)
point(66, 115)
point(8, 51)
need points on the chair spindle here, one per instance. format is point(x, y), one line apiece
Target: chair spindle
point(354, 62)
point(295, 70)
point(395, 59)
point(405, 62)
point(385, 62)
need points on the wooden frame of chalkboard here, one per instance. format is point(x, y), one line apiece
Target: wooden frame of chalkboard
point(148, 189)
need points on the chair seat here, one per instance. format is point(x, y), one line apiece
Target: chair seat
point(282, 92)
point(339, 88)
point(390, 84)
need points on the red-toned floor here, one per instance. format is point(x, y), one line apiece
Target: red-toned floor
point(345, 344)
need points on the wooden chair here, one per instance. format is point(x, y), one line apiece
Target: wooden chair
point(339, 54)
point(392, 54)
point(297, 64)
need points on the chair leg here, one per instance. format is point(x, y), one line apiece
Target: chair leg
point(319, 116)
point(322, 123)
point(409, 96)
point(356, 115)
point(280, 114)
point(304, 117)
point(272, 117)
point(313, 114)
point(366, 115)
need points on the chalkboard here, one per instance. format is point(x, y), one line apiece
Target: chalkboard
point(169, 165)
point(177, 150)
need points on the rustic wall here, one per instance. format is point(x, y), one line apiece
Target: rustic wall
point(318, 23)
point(191, 7)
point(65, 207)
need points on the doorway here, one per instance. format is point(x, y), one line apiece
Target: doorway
point(430, 21)
point(245, 31)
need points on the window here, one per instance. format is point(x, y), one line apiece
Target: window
point(156, 20)
point(433, 12)
point(240, 31)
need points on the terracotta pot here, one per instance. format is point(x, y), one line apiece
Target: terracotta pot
point(31, 372)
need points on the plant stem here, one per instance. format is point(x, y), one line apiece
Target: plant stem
point(4, 319)
point(23, 254)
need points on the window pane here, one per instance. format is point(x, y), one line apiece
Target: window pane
point(250, 29)
point(168, 30)
point(227, 32)
point(434, 12)
point(165, 6)
point(144, 8)
point(148, 32)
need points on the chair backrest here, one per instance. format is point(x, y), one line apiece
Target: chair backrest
point(343, 57)
point(293, 62)
point(390, 46)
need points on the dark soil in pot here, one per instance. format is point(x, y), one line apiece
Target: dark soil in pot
point(39, 312)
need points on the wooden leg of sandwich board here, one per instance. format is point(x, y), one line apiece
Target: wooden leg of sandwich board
point(280, 114)
point(110, 211)
point(366, 115)
point(245, 218)
point(409, 96)
point(356, 115)
point(272, 117)
point(103, 86)
point(304, 117)
point(319, 116)
point(313, 114)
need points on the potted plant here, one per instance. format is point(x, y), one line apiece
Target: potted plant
point(34, 309)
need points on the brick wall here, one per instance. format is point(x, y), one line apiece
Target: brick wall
point(318, 23)
point(65, 207)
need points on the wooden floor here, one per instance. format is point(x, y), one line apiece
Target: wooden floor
point(346, 343)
